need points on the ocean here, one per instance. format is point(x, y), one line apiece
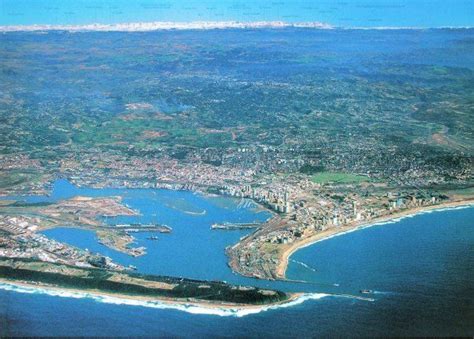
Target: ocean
point(419, 268)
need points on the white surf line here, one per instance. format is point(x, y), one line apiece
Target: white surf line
point(189, 308)
point(388, 222)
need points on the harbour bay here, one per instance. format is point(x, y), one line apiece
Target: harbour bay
point(227, 169)
point(417, 269)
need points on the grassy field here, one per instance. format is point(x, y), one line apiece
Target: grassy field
point(15, 178)
point(139, 132)
point(338, 177)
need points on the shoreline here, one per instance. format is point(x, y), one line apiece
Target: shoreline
point(328, 234)
point(164, 26)
point(152, 26)
point(194, 306)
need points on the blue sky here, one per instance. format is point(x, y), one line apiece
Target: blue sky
point(366, 13)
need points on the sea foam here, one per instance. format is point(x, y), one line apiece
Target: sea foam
point(388, 222)
point(189, 308)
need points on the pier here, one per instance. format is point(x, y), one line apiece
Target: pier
point(137, 227)
point(235, 225)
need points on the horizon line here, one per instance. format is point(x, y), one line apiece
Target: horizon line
point(148, 26)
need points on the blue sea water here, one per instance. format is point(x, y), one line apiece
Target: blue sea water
point(420, 270)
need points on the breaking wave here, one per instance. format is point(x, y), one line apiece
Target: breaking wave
point(189, 308)
point(388, 222)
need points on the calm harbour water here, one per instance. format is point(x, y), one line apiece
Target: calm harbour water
point(419, 268)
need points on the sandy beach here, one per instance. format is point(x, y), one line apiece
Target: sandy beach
point(210, 305)
point(281, 269)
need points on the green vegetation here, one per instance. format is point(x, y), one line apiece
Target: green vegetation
point(337, 177)
point(134, 284)
point(464, 191)
point(309, 169)
point(307, 104)
point(15, 178)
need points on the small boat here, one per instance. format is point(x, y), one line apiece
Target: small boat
point(132, 267)
point(153, 237)
point(366, 291)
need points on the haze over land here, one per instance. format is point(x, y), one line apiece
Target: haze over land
point(189, 155)
point(402, 97)
point(329, 128)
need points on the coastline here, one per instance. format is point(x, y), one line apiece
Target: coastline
point(327, 234)
point(193, 306)
point(164, 25)
point(150, 26)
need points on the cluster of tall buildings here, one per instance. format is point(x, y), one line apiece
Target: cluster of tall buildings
point(275, 200)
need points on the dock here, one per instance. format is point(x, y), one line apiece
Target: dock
point(137, 227)
point(235, 225)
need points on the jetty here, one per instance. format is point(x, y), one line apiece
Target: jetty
point(234, 225)
point(137, 227)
